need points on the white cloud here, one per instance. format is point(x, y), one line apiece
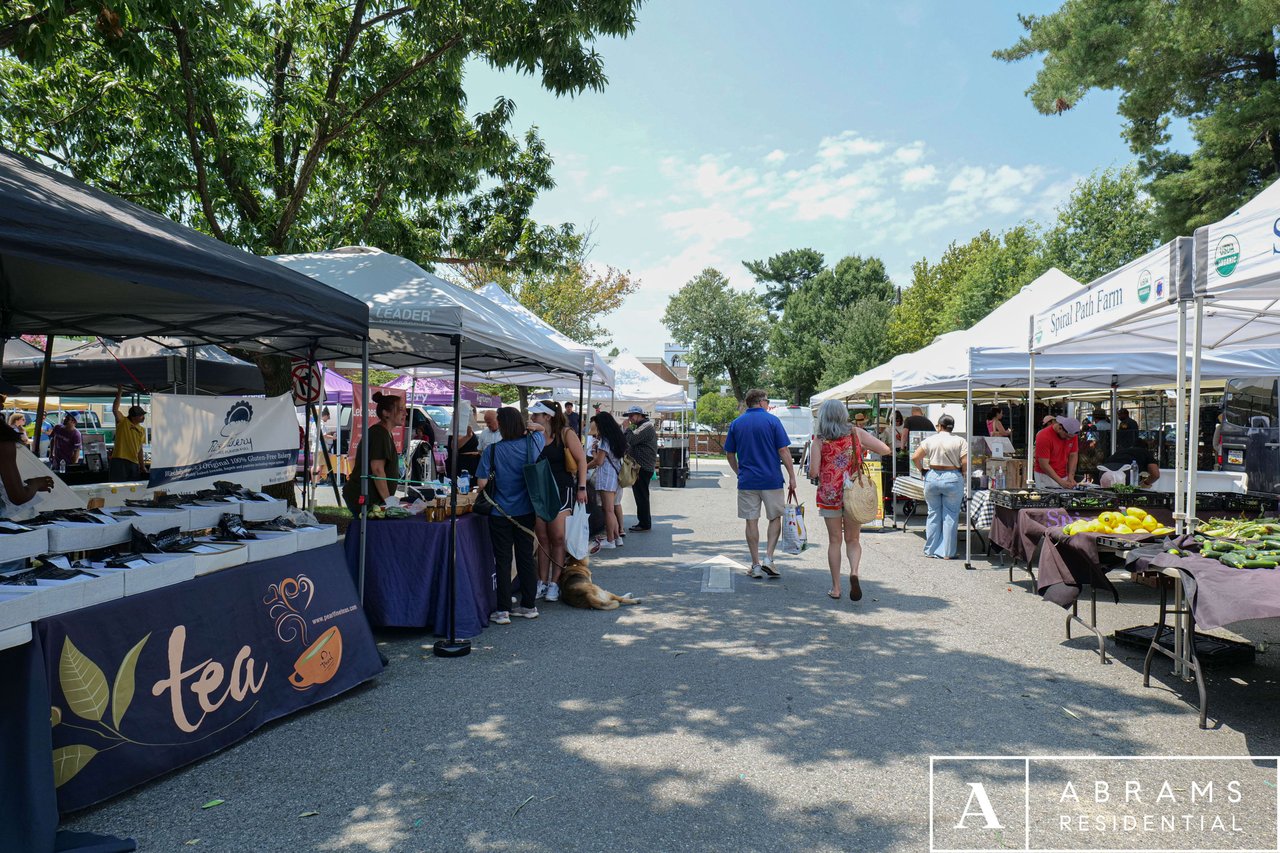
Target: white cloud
point(909, 154)
point(835, 151)
point(775, 156)
point(919, 176)
point(709, 226)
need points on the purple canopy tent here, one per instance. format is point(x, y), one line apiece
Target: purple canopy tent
point(427, 391)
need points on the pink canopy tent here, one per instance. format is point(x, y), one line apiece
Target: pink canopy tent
point(428, 390)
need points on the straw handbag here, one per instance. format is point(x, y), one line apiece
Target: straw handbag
point(861, 502)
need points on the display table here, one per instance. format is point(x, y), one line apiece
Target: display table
point(406, 571)
point(258, 642)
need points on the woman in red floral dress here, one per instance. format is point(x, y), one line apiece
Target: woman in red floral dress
point(837, 447)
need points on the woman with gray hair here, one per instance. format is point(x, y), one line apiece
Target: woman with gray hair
point(837, 448)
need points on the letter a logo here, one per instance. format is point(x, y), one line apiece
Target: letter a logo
point(988, 814)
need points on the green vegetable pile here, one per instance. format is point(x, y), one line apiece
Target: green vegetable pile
point(1240, 543)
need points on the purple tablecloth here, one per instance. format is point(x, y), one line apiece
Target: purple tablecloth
point(1220, 595)
point(406, 571)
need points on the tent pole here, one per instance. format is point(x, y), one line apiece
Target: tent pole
point(364, 460)
point(1193, 430)
point(1031, 421)
point(191, 368)
point(968, 472)
point(581, 405)
point(1114, 403)
point(453, 647)
point(893, 456)
point(44, 390)
point(1179, 480)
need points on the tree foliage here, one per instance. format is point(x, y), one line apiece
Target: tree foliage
point(924, 311)
point(716, 409)
point(996, 270)
point(1107, 222)
point(296, 125)
point(864, 345)
point(818, 321)
point(784, 274)
point(726, 330)
point(1212, 63)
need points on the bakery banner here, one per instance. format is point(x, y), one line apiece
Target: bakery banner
point(145, 684)
point(196, 441)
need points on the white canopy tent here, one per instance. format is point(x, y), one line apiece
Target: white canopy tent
point(637, 384)
point(597, 371)
point(418, 319)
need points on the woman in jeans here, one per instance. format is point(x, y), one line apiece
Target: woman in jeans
point(563, 451)
point(511, 522)
point(836, 450)
point(944, 455)
point(607, 463)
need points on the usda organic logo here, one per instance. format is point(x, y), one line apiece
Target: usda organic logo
point(1144, 286)
point(1227, 255)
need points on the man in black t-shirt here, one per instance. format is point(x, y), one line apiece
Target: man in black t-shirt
point(1139, 457)
point(917, 422)
point(1126, 429)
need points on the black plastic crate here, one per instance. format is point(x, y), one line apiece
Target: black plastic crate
point(1212, 500)
point(1146, 499)
point(1212, 651)
point(1017, 500)
point(1254, 503)
point(1089, 499)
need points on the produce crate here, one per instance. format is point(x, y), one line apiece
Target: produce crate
point(1023, 499)
point(1212, 500)
point(1212, 651)
point(1089, 499)
point(1252, 503)
point(1146, 499)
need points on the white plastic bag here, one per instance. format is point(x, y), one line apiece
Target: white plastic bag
point(795, 536)
point(577, 532)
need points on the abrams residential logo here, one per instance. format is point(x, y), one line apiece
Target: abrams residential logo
point(236, 422)
point(1144, 286)
point(980, 803)
point(1226, 255)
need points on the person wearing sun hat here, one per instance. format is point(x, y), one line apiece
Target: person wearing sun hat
point(1057, 453)
point(642, 444)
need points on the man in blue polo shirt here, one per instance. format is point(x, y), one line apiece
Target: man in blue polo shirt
point(756, 447)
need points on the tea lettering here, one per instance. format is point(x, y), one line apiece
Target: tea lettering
point(209, 678)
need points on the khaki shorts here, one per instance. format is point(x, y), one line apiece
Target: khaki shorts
point(749, 500)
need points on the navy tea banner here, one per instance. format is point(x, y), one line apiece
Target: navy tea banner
point(151, 682)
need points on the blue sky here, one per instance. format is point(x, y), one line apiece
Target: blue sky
point(736, 129)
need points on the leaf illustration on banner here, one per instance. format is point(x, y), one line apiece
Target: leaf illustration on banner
point(55, 716)
point(122, 690)
point(83, 684)
point(70, 760)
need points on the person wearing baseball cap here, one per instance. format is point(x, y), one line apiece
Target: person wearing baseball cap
point(1057, 453)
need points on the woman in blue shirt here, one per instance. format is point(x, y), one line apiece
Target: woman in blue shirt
point(511, 524)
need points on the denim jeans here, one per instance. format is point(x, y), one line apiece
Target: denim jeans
point(943, 492)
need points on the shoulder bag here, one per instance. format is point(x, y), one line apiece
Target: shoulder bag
point(860, 500)
point(487, 501)
point(544, 492)
point(570, 461)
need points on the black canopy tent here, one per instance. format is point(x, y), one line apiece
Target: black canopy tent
point(138, 363)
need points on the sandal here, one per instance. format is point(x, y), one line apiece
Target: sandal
point(855, 588)
point(835, 596)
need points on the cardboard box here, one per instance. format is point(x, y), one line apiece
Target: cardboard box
point(1015, 471)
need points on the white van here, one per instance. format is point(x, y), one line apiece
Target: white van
point(798, 422)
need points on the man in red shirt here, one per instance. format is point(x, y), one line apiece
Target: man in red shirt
point(1057, 452)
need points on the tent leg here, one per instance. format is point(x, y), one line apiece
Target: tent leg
point(968, 476)
point(1179, 480)
point(453, 647)
point(364, 461)
point(44, 391)
point(1114, 403)
point(893, 456)
point(1031, 422)
point(1186, 624)
point(581, 405)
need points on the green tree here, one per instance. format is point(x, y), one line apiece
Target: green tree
point(726, 330)
point(816, 323)
point(1107, 222)
point(292, 125)
point(1212, 63)
point(864, 345)
point(994, 271)
point(924, 311)
point(784, 274)
point(716, 409)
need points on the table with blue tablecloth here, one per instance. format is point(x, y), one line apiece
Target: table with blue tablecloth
point(406, 573)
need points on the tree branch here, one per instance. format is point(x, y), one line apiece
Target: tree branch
point(385, 16)
point(193, 140)
point(9, 32)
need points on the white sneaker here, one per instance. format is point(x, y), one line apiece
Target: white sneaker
point(618, 543)
point(766, 566)
point(755, 572)
point(525, 612)
point(553, 591)
point(500, 617)
point(542, 590)
point(607, 546)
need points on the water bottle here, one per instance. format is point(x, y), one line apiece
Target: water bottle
point(464, 483)
point(62, 466)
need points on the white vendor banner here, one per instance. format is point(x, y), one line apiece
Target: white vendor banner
point(197, 441)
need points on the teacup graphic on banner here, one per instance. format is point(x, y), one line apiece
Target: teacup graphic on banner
point(319, 662)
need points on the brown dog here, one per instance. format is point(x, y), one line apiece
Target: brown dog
point(578, 590)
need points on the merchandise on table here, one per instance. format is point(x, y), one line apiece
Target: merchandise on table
point(1127, 520)
point(1025, 498)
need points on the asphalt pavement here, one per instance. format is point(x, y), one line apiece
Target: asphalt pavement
point(768, 717)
